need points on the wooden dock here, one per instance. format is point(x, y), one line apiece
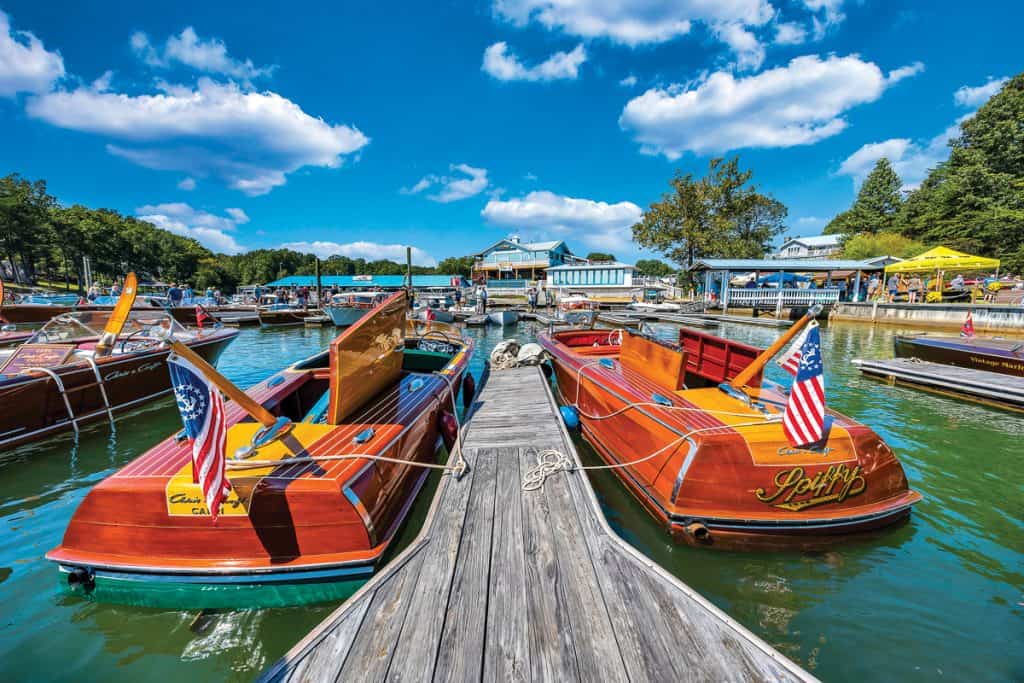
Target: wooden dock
point(749, 320)
point(504, 584)
point(991, 388)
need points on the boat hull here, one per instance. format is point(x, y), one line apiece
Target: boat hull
point(34, 408)
point(283, 318)
point(287, 533)
point(990, 355)
point(503, 317)
point(716, 478)
point(33, 313)
point(343, 316)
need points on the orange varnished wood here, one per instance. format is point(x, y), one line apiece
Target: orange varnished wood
point(726, 474)
point(367, 357)
point(654, 361)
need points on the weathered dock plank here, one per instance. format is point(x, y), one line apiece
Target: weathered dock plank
point(512, 585)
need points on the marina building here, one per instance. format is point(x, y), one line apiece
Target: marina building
point(512, 259)
point(817, 247)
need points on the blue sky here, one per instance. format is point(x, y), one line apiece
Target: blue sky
point(359, 127)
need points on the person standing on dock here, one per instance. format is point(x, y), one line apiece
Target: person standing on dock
point(483, 298)
point(531, 299)
point(893, 286)
point(913, 287)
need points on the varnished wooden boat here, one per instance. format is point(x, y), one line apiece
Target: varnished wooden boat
point(13, 337)
point(1005, 356)
point(282, 315)
point(347, 308)
point(289, 532)
point(727, 475)
point(54, 382)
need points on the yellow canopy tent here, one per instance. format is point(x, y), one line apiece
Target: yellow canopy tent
point(940, 260)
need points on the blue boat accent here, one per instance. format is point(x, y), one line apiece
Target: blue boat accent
point(661, 400)
point(364, 436)
point(608, 363)
point(319, 410)
point(416, 384)
point(274, 381)
point(570, 417)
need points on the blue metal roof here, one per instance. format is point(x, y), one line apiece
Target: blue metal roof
point(798, 265)
point(385, 281)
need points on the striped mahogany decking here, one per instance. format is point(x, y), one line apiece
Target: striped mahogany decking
point(503, 584)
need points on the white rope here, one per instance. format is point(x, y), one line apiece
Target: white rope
point(550, 461)
point(458, 469)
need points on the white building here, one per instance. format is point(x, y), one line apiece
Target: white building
point(598, 279)
point(819, 246)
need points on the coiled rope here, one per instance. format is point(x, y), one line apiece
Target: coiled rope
point(458, 469)
point(550, 461)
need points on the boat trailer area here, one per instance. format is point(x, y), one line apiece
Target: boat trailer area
point(507, 584)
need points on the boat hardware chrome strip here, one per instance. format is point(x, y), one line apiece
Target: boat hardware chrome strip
point(63, 393)
point(103, 389)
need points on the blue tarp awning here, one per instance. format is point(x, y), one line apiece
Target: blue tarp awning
point(786, 277)
point(350, 281)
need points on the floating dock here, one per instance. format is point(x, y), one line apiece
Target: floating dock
point(749, 320)
point(239, 319)
point(991, 388)
point(504, 584)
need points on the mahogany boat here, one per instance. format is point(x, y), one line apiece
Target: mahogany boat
point(723, 472)
point(14, 336)
point(346, 308)
point(1005, 356)
point(309, 526)
point(282, 315)
point(54, 382)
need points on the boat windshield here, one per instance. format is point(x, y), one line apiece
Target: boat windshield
point(85, 325)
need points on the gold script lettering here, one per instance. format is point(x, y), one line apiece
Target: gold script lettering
point(796, 490)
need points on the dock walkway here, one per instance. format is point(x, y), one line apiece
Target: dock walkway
point(504, 584)
point(991, 388)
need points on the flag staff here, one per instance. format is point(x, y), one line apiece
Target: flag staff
point(227, 387)
point(749, 372)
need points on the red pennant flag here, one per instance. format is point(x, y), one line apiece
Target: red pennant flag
point(967, 329)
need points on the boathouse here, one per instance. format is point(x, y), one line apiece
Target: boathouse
point(783, 283)
point(817, 247)
point(513, 260)
point(369, 281)
point(601, 279)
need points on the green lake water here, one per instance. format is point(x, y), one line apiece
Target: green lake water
point(941, 597)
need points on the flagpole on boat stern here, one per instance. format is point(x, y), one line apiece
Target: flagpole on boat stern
point(227, 387)
point(748, 373)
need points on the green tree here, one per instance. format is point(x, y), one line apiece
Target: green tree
point(719, 214)
point(870, 244)
point(877, 204)
point(653, 267)
point(456, 265)
point(974, 201)
point(600, 256)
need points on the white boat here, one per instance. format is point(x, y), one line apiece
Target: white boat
point(439, 305)
point(577, 309)
point(346, 308)
point(503, 317)
point(651, 307)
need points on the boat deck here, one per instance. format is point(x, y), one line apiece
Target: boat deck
point(505, 584)
point(992, 388)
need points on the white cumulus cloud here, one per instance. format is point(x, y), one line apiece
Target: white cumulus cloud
point(799, 103)
point(912, 160)
point(371, 251)
point(505, 65)
point(188, 184)
point(967, 96)
point(210, 55)
point(598, 224)
point(25, 65)
point(208, 229)
point(629, 81)
point(251, 140)
point(789, 33)
point(469, 183)
point(642, 22)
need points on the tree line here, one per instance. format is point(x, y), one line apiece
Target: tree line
point(973, 201)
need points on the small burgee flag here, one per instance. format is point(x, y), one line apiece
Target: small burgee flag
point(202, 412)
point(967, 329)
point(804, 419)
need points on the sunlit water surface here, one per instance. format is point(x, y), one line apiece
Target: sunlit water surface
point(940, 597)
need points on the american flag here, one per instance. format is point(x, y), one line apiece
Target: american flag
point(790, 360)
point(804, 419)
point(202, 411)
point(967, 329)
point(201, 316)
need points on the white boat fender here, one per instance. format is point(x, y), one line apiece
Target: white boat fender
point(530, 354)
point(504, 355)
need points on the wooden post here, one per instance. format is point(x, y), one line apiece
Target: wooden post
point(316, 269)
point(725, 291)
point(778, 296)
point(408, 270)
point(856, 288)
point(229, 389)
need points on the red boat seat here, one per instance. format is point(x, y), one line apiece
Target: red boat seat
point(662, 364)
point(716, 359)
